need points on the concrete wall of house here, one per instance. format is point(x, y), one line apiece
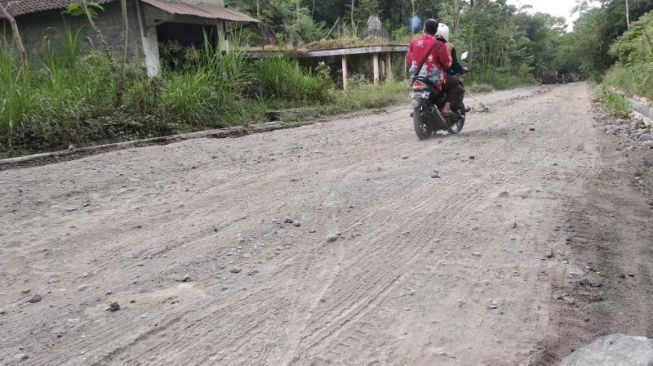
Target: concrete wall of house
point(5, 31)
point(45, 28)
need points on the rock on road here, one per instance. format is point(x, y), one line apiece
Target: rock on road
point(332, 244)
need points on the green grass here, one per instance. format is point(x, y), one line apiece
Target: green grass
point(635, 79)
point(283, 83)
point(358, 97)
point(614, 103)
point(488, 80)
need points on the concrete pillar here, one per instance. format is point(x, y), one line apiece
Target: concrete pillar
point(375, 67)
point(388, 67)
point(150, 43)
point(344, 72)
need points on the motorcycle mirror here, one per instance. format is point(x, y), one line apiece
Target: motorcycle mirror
point(464, 55)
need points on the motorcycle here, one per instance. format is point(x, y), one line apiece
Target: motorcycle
point(427, 102)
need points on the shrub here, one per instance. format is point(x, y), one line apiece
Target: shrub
point(282, 82)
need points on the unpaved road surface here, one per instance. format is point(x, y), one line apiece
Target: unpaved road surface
point(332, 244)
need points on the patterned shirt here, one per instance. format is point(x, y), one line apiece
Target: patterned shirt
point(436, 63)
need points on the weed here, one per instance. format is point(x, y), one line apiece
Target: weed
point(614, 103)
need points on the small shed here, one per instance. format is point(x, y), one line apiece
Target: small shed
point(149, 22)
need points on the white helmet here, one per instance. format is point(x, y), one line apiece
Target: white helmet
point(443, 32)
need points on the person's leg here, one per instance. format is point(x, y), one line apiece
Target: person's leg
point(454, 92)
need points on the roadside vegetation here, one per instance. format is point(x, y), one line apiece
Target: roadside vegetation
point(614, 102)
point(66, 97)
point(612, 45)
point(633, 71)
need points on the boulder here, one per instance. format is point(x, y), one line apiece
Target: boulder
point(613, 350)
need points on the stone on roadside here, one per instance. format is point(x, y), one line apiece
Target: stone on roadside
point(186, 278)
point(504, 194)
point(646, 137)
point(235, 270)
point(21, 357)
point(331, 238)
point(288, 220)
point(113, 307)
point(613, 350)
point(36, 298)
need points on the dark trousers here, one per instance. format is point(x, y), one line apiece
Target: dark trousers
point(455, 91)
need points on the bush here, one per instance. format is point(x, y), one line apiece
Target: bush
point(285, 84)
point(633, 72)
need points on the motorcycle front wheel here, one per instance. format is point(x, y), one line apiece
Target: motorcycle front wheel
point(422, 129)
point(458, 126)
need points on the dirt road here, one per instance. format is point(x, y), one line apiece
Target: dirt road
point(334, 244)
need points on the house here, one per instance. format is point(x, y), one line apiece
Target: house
point(150, 22)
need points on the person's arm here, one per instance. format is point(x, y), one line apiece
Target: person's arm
point(443, 55)
point(456, 67)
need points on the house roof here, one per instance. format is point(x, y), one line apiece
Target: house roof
point(177, 7)
point(202, 10)
point(21, 7)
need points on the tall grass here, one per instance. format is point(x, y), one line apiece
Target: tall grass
point(634, 79)
point(48, 102)
point(283, 83)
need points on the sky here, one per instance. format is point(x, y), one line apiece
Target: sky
point(560, 8)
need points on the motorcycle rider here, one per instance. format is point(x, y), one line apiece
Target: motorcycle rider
point(452, 87)
point(431, 56)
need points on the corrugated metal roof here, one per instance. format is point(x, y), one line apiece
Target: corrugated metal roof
point(22, 7)
point(198, 9)
point(208, 11)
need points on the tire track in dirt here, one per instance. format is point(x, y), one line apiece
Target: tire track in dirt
point(296, 298)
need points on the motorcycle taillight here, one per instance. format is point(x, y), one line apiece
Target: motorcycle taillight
point(418, 85)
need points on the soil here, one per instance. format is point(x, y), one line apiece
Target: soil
point(345, 242)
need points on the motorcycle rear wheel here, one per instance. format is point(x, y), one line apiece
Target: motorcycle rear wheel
point(422, 129)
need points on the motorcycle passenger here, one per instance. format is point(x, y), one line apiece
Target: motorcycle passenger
point(453, 87)
point(433, 55)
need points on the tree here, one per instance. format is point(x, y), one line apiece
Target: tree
point(22, 54)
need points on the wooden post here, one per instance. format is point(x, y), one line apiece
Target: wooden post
point(388, 67)
point(375, 67)
point(405, 67)
point(344, 72)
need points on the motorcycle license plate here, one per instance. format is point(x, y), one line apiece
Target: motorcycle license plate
point(420, 94)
